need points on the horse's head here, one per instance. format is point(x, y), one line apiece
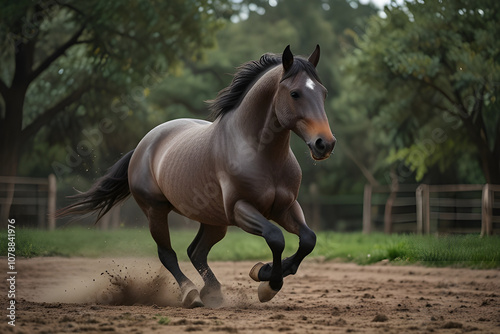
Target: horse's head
point(299, 103)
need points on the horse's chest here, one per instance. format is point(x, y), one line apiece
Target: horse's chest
point(270, 195)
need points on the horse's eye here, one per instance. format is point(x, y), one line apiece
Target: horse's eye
point(294, 95)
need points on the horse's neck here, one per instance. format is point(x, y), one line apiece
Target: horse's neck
point(255, 118)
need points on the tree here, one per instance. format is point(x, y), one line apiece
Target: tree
point(67, 63)
point(426, 79)
point(264, 28)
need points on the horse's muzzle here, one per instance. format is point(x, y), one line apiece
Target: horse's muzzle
point(321, 148)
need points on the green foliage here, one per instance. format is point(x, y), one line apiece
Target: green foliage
point(453, 250)
point(426, 74)
point(84, 63)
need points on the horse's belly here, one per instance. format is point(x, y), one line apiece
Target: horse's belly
point(200, 201)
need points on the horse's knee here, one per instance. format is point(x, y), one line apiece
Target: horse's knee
point(307, 240)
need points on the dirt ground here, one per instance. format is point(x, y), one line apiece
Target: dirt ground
point(136, 295)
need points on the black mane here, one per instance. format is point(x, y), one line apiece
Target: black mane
point(229, 98)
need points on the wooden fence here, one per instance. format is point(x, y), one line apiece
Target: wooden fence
point(27, 197)
point(422, 209)
point(432, 208)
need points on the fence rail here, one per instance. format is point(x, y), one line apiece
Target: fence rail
point(37, 196)
point(404, 208)
point(422, 208)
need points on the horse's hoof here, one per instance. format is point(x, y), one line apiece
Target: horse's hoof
point(254, 272)
point(265, 292)
point(191, 299)
point(212, 297)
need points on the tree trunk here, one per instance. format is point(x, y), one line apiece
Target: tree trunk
point(491, 168)
point(10, 140)
point(11, 125)
point(489, 157)
point(490, 163)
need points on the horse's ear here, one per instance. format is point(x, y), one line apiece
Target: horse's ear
point(314, 57)
point(287, 58)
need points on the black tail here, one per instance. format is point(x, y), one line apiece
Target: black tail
point(109, 190)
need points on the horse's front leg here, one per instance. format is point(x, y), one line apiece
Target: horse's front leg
point(294, 222)
point(252, 221)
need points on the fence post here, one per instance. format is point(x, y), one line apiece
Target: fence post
point(42, 214)
point(420, 209)
point(367, 209)
point(423, 209)
point(51, 203)
point(486, 211)
point(426, 210)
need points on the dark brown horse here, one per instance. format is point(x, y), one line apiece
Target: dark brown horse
point(238, 170)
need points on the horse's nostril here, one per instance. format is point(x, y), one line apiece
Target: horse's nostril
point(320, 144)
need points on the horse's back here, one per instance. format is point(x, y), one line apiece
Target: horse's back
point(169, 131)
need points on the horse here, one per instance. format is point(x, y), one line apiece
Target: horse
point(238, 170)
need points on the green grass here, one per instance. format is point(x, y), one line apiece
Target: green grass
point(454, 250)
point(450, 250)
point(164, 321)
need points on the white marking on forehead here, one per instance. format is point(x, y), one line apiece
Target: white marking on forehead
point(310, 84)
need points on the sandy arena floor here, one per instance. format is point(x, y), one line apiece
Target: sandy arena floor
point(136, 295)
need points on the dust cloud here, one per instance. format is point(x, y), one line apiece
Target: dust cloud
point(130, 283)
point(136, 282)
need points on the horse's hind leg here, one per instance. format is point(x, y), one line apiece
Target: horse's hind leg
point(208, 235)
point(158, 226)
